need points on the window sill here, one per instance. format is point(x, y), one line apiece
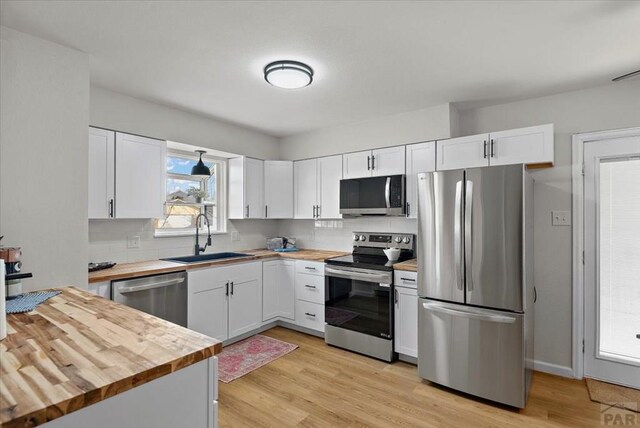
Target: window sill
point(191, 232)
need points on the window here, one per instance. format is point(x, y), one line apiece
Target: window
point(188, 196)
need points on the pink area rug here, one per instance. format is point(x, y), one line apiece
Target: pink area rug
point(247, 355)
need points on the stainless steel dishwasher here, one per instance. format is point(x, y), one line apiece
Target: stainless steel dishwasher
point(164, 296)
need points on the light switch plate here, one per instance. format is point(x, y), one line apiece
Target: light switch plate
point(133, 242)
point(560, 218)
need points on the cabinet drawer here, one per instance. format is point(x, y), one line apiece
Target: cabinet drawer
point(310, 315)
point(407, 279)
point(312, 268)
point(310, 288)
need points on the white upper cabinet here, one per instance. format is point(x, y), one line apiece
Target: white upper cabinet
point(127, 175)
point(140, 176)
point(329, 176)
point(419, 158)
point(531, 145)
point(278, 189)
point(101, 173)
point(524, 145)
point(305, 176)
point(246, 188)
point(378, 162)
point(388, 161)
point(357, 164)
point(317, 188)
point(463, 152)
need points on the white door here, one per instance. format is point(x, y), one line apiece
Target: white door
point(329, 176)
point(406, 321)
point(463, 152)
point(305, 188)
point(270, 284)
point(286, 287)
point(245, 309)
point(254, 188)
point(101, 169)
point(389, 161)
point(420, 158)
point(140, 176)
point(612, 260)
point(207, 303)
point(278, 189)
point(356, 165)
point(525, 145)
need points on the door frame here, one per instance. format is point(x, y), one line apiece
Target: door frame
point(577, 231)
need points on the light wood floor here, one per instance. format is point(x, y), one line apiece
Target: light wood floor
point(323, 386)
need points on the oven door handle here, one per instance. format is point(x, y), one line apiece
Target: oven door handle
point(380, 278)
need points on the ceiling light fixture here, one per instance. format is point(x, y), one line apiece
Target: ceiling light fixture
point(200, 169)
point(288, 74)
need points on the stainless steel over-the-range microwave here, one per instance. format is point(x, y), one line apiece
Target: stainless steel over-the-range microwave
point(373, 196)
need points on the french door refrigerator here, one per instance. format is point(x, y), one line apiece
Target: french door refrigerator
point(475, 281)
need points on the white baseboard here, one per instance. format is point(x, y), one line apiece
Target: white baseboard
point(554, 369)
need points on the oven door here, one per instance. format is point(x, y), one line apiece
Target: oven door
point(359, 300)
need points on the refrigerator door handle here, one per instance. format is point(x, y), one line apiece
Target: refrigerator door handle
point(457, 232)
point(472, 315)
point(468, 233)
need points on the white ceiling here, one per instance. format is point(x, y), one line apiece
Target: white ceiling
point(371, 58)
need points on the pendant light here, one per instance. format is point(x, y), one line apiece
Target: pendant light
point(200, 169)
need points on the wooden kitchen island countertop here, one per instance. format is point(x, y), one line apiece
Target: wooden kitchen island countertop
point(77, 349)
point(153, 267)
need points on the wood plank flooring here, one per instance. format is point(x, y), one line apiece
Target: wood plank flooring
point(322, 386)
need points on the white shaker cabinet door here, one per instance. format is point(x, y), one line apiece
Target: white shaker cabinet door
point(286, 289)
point(305, 188)
point(406, 321)
point(140, 176)
point(388, 161)
point(420, 158)
point(357, 164)
point(525, 145)
point(270, 284)
point(101, 173)
point(254, 188)
point(463, 152)
point(278, 189)
point(207, 302)
point(329, 176)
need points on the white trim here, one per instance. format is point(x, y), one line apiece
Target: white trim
point(553, 369)
point(577, 230)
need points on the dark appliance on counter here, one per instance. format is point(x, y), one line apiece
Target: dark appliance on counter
point(359, 294)
point(14, 275)
point(373, 196)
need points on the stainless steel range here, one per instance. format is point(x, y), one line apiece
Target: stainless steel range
point(359, 294)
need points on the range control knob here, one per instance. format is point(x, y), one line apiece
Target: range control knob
point(356, 237)
point(406, 239)
point(363, 238)
point(398, 239)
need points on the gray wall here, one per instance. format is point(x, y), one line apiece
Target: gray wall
point(44, 114)
point(607, 107)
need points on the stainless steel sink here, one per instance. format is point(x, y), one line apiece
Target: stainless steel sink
point(205, 257)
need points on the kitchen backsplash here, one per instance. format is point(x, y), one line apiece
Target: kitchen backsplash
point(108, 240)
point(337, 234)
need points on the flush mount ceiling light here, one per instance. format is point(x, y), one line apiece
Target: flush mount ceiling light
point(200, 169)
point(288, 74)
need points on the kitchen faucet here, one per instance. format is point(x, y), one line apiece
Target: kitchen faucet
point(198, 248)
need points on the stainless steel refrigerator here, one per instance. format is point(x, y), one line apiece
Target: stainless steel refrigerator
point(475, 281)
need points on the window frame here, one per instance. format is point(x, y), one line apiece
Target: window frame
point(220, 202)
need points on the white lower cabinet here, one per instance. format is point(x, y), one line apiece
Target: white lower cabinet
point(406, 313)
point(102, 289)
point(226, 301)
point(278, 289)
point(310, 315)
point(310, 295)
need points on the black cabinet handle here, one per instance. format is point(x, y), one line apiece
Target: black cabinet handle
point(232, 288)
point(310, 286)
point(395, 296)
point(310, 315)
point(408, 279)
point(492, 151)
point(535, 295)
point(373, 162)
point(266, 211)
point(226, 289)
point(484, 150)
point(309, 268)
point(111, 208)
point(368, 163)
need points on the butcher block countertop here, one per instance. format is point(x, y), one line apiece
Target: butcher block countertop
point(153, 267)
point(408, 265)
point(77, 349)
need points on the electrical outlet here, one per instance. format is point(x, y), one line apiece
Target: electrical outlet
point(560, 218)
point(133, 242)
point(235, 236)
